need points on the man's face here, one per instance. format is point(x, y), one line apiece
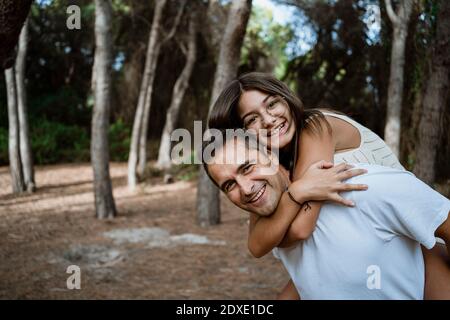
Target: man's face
point(248, 178)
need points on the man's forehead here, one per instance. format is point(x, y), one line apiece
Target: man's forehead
point(228, 159)
point(234, 153)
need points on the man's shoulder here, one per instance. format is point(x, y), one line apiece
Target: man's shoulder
point(374, 171)
point(384, 181)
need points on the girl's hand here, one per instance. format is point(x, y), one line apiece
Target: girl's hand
point(323, 181)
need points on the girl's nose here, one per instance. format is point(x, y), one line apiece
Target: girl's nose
point(269, 120)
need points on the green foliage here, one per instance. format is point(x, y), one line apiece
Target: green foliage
point(264, 47)
point(188, 172)
point(119, 141)
point(53, 142)
point(3, 146)
point(185, 172)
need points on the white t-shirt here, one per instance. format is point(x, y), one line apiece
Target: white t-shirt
point(370, 251)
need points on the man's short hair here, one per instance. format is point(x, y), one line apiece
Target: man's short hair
point(219, 138)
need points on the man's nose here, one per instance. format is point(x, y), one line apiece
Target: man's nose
point(246, 185)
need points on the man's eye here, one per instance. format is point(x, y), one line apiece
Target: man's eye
point(229, 186)
point(248, 168)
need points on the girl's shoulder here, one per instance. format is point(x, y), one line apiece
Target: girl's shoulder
point(345, 131)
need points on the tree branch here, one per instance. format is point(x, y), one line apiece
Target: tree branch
point(172, 31)
point(182, 47)
point(391, 13)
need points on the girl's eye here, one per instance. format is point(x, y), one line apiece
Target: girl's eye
point(272, 104)
point(250, 121)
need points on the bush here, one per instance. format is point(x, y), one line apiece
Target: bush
point(51, 142)
point(3, 146)
point(54, 142)
point(119, 141)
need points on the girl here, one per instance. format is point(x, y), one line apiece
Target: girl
point(258, 101)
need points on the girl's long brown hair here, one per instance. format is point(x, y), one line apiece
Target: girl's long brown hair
point(224, 114)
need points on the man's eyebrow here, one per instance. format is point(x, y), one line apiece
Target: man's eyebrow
point(243, 165)
point(264, 101)
point(239, 169)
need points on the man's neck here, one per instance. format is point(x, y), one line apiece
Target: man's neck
point(285, 176)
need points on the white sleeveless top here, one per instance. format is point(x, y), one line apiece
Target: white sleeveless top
point(372, 150)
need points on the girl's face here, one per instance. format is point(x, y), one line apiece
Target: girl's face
point(259, 110)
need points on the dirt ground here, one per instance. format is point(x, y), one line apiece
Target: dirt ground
point(152, 250)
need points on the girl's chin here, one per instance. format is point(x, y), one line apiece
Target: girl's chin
point(275, 145)
point(280, 144)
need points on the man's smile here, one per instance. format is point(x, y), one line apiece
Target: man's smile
point(258, 194)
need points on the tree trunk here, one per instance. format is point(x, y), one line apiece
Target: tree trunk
point(148, 99)
point(104, 201)
point(146, 86)
point(164, 161)
point(399, 22)
point(435, 98)
point(208, 205)
point(12, 16)
point(25, 146)
point(14, 137)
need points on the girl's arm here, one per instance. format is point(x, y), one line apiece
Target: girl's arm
point(266, 233)
point(313, 145)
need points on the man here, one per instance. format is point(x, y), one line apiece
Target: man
point(370, 251)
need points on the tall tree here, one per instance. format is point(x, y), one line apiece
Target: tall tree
point(20, 158)
point(148, 76)
point(15, 164)
point(25, 146)
point(208, 205)
point(435, 97)
point(138, 147)
point(399, 19)
point(104, 201)
point(164, 161)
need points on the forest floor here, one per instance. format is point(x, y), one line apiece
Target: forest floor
point(152, 250)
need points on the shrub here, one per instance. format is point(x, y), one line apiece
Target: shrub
point(119, 141)
point(54, 142)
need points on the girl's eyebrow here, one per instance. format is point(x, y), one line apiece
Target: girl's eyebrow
point(263, 102)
